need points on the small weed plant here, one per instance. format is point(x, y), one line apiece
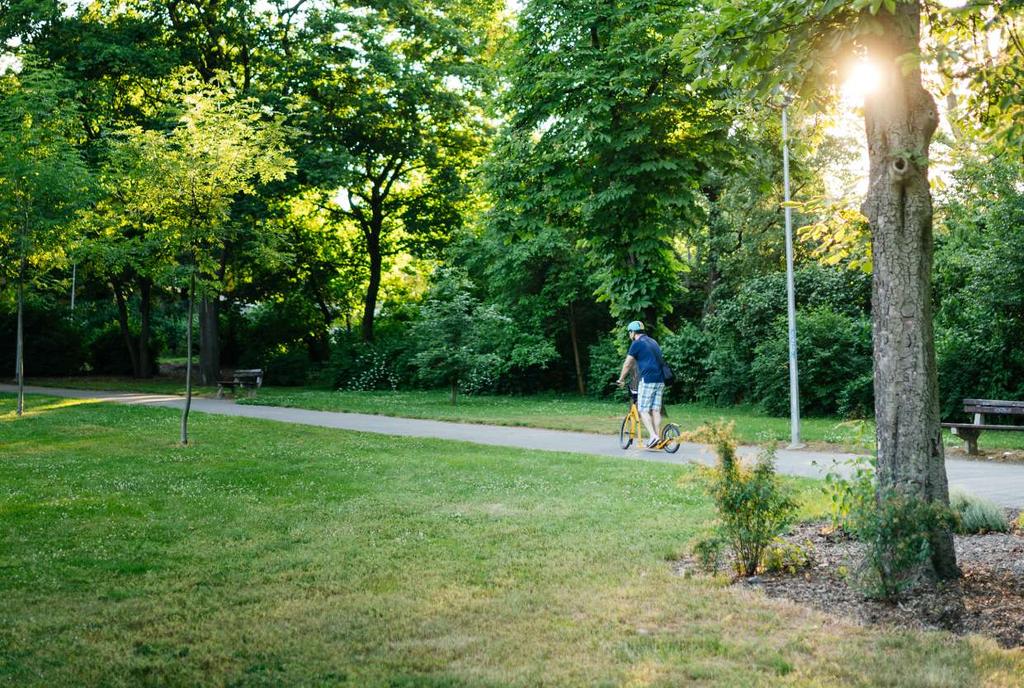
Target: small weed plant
point(753, 508)
point(787, 557)
point(708, 553)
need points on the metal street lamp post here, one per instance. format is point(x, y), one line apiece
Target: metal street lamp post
point(794, 380)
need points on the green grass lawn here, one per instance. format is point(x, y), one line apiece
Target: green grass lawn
point(270, 554)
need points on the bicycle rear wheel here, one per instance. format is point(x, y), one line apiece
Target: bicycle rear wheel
point(626, 433)
point(670, 436)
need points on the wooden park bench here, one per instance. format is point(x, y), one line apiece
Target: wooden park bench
point(241, 379)
point(980, 408)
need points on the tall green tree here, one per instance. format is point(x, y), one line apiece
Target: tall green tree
point(42, 179)
point(803, 46)
point(120, 244)
point(188, 178)
point(394, 125)
point(598, 95)
point(527, 255)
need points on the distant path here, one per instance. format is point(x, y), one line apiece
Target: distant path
point(1000, 482)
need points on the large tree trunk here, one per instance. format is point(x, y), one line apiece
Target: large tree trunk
point(122, 321)
point(373, 287)
point(209, 340)
point(145, 310)
point(209, 328)
point(900, 119)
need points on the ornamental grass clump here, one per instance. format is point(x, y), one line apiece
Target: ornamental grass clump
point(976, 515)
point(753, 508)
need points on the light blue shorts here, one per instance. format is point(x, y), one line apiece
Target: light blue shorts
point(649, 395)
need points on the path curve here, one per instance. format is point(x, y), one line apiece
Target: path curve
point(1003, 483)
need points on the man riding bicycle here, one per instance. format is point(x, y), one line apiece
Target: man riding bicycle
point(645, 355)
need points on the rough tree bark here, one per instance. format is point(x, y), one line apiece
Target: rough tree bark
point(900, 119)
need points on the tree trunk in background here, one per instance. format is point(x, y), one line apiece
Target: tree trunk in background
point(900, 119)
point(19, 354)
point(209, 340)
point(373, 287)
point(145, 310)
point(122, 322)
point(580, 385)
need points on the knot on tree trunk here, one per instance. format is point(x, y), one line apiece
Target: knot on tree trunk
point(900, 168)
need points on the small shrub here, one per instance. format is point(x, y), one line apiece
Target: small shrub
point(752, 507)
point(708, 552)
point(893, 526)
point(976, 515)
point(373, 371)
point(847, 494)
point(787, 557)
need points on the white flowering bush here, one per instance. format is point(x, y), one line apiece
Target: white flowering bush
point(373, 371)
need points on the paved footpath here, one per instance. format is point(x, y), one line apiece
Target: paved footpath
point(1000, 482)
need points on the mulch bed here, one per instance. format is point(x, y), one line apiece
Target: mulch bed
point(988, 599)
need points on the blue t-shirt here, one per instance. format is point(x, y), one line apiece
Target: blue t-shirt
point(648, 355)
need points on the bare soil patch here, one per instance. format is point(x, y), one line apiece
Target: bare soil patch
point(988, 600)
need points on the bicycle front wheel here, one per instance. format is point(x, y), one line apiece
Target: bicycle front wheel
point(626, 433)
point(670, 436)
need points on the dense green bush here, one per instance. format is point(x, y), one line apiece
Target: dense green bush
point(753, 508)
point(108, 353)
point(606, 357)
point(979, 361)
point(286, 367)
point(750, 317)
point(466, 345)
point(979, 285)
point(835, 365)
point(685, 350)
point(54, 346)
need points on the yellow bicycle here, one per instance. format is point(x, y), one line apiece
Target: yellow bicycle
point(630, 430)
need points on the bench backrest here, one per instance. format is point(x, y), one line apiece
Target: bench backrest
point(994, 407)
point(253, 374)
